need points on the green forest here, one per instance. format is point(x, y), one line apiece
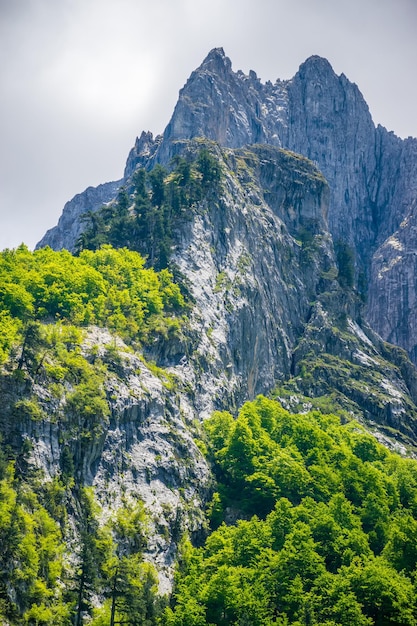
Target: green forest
point(325, 528)
point(147, 212)
point(312, 522)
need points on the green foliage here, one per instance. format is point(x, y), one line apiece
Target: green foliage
point(209, 168)
point(335, 543)
point(31, 559)
point(134, 593)
point(88, 402)
point(111, 566)
point(108, 287)
point(9, 329)
point(29, 408)
point(94, 548)
point(129, 528)
point(145, 218)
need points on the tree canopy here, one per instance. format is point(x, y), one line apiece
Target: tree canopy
point(147, 212)
point(106, 287)
point(325, 532)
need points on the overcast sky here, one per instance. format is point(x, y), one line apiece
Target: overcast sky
point(80, 79)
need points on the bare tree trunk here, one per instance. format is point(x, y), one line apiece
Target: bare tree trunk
point(113, 598)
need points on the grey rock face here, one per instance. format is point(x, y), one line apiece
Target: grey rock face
point(142, 152)
point(392, 307)
point(247, 272)
point(230, 108)
point(145, 450)
point(330, 123)
point(70, 226)
point(392, 297)
point(372, 173)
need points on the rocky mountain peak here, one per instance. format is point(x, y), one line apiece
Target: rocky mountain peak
point(216, 61)
point(323, 116)
point(285, 206)
point(314, 65)
point(143, 150)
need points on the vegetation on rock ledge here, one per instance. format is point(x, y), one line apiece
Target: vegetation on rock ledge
point(145, 216)
point(50, 376)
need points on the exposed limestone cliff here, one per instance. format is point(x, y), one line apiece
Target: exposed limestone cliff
point(392, 294)
point(371, 172)
point(392, 307)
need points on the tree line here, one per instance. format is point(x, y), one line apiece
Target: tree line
point(151, 206)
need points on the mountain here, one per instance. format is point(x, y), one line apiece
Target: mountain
point(111, 374)
point(371, 172)
point(239, 257)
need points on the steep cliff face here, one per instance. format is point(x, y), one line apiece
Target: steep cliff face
point(70, 224)
point(143, 450)
point(245, 266)
point(392, 303)
point(371, 172)
point(330, 123)
point(271, 304)
point(392, 296)
point(244, 111)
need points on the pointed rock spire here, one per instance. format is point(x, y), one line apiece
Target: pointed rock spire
point(216, 61)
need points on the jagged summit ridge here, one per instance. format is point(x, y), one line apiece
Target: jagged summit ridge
point(323, 116)
point(242, 111)
point(236, 109)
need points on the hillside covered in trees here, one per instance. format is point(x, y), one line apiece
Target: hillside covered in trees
point(47, 299)
point(136, 487)
point(324, 532)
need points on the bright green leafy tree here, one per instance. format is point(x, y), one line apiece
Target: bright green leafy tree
point(331, 539)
